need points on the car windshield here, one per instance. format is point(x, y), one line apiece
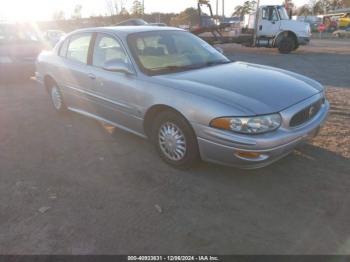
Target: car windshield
point(162, 52)
point(283, 13)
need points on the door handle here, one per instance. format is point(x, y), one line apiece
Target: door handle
point(92, 76)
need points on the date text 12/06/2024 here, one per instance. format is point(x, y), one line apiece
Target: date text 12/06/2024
point(174, 258)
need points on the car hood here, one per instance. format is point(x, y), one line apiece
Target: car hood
point(254, 88)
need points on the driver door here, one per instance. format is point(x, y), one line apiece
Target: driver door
point(117, 94)
point(269, 22)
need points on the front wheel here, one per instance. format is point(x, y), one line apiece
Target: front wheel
point(286, 45)
point(175, 140)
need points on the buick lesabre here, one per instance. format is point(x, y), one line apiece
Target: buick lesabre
point(191, 101)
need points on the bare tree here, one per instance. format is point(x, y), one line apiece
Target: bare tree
point(77, 13)
point(321, 7)
point(58, 15)
point(112, 7)
point(311, 4)
point(246, 8)
point(122, 4)
point(137, 8)
point(304, 10)
point(187, 17)
point(336, 4)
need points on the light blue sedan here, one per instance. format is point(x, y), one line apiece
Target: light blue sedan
point(190, 100)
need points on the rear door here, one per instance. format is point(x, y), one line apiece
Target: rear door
point(73, 73)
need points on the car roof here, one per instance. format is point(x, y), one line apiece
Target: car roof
point(126, 30)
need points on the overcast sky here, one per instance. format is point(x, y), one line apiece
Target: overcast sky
point(44, 9)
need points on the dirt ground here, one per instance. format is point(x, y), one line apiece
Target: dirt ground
point(69, 186)
point(335, 134)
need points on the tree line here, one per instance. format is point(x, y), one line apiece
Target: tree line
point(314, 7)
point(116, 11)
point(320, 7)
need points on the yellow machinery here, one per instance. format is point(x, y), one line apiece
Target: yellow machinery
point(344, 21)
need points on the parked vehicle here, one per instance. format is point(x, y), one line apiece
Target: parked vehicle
point(345, 33)
point(19, 48)
point(133, 22)
point(190, 100)
point(270, 25)
point(54, 36)
point(313, 21)
point(139, 22)
point(344, 21)
point(337, 19)
point(158, 24)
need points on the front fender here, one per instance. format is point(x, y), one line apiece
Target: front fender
point(280, 35)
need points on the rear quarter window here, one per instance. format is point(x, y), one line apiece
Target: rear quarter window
point(78, 48)
point(63, 48)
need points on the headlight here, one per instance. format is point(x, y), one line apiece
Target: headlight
point(248, 125)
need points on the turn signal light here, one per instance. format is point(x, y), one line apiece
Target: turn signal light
point(222, 123)
point(250, 155)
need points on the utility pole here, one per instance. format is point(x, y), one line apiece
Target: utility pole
point(143, 7)
point(217, 8)
point(257, 13)
point(223, 10)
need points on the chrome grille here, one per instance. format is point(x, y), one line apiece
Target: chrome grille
point(306, 114)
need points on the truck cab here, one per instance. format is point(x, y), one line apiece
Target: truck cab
point(276, 29)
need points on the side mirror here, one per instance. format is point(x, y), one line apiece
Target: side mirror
point(117, 66)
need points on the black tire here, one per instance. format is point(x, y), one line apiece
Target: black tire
point(286, 45)
point(191, 153)
point(296, 47)
point(57, 98)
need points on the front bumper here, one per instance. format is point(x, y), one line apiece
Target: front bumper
point(303, 40)
point(220, 146)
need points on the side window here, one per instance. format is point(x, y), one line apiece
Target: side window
point(265, 15)
point(63, 48)
point(273, 16)
point(78, 48)
point(107, 48)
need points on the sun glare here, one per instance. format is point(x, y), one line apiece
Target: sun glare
point(23, 11)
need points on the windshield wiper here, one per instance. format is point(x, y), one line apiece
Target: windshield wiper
point(173, 68)
point(214, 63)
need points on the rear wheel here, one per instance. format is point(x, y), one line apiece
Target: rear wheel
point(286, 45)
point(175, 140)
point(57, 99)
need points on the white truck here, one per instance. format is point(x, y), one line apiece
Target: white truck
point(269, 27)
